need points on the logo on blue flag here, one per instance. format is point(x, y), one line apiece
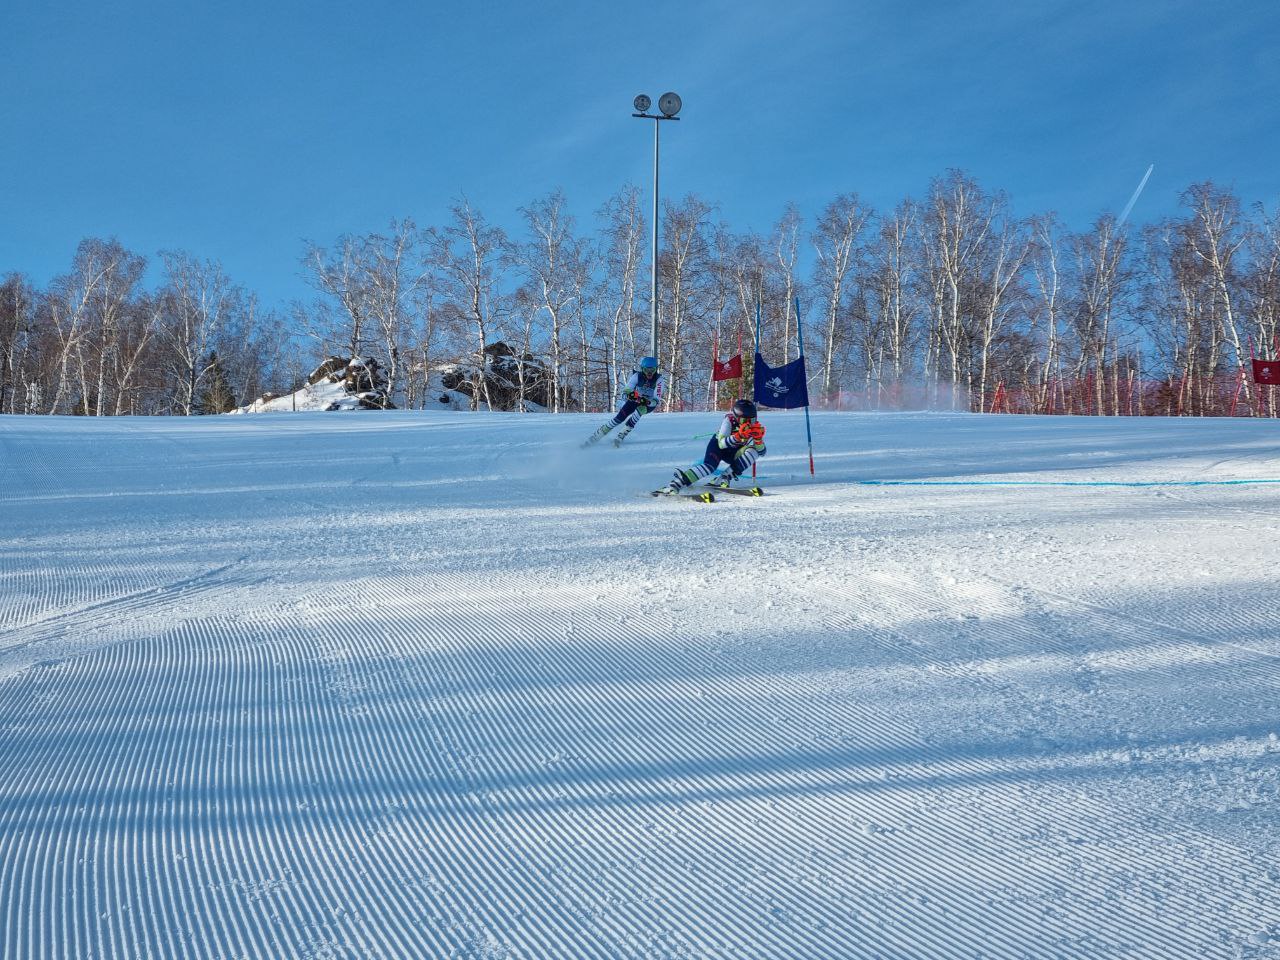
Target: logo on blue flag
point(783, 386)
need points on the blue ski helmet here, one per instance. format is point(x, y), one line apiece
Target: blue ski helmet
point(648, 367)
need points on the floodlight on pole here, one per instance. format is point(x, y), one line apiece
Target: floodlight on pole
point(669, 104)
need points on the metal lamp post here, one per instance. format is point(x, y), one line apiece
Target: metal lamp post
point(669, 104)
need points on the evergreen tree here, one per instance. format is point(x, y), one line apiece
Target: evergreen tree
point(216, 396)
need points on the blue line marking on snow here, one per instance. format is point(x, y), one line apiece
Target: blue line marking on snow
point(1060, 483)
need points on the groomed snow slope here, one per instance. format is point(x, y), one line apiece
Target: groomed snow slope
point(444, 685)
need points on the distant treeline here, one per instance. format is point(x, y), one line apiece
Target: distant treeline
point(951, 291)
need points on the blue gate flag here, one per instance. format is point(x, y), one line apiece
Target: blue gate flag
point(781, 386)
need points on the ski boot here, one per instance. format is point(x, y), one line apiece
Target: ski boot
point(682, 479)
point(622, 435)
point(598, 435)
point(725, 480)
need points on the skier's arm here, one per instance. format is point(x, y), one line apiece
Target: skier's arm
point(745, 435)
point(725, 438)
point(630, 390)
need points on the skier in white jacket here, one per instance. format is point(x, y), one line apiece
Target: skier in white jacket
point(641, 395)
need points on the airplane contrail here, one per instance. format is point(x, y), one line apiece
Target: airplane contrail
point(1134, 199)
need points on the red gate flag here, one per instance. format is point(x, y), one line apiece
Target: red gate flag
point(730, 369)
point(1266, 371)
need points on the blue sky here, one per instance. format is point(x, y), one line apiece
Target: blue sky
point(238, 130)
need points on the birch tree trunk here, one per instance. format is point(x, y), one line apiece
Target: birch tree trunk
point(1048, 284)
point(1009, 252)
point(621, 259)
point(469, 255)
point(835, 241)
point(685, 263)
point(785, 247)
point(550, 261)
point(956, 230)
point(396, 284)
point(198, 300)
point(1216, 240)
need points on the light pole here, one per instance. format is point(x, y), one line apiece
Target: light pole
point(669, 104)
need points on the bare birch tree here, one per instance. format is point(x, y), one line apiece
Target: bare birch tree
point(198, 301)
point(784, 248)
point(1045, 264)
point(551, 262)
point(343, 275)
point(835, 241)
point(1216, 236)
point(1176, 311)
point(893, 270)
point(17, 326)
point(621, 259)
point(468, 255)
point(87, 308)
point(955, 229)
point(997, 291)
point(584, 308)
point(685, 258)
point(129, 370)
point(396, 284)
point(1100, 279)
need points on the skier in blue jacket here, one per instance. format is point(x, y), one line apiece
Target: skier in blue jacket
point(738, 444)
point(641, 395)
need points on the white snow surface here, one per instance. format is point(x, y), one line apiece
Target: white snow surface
point(447, 685)
point(334, 397)
point(309, 398)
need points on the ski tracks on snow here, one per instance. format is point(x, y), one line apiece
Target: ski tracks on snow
point(1032, 666)
point(428, 765)
point(51, 619)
